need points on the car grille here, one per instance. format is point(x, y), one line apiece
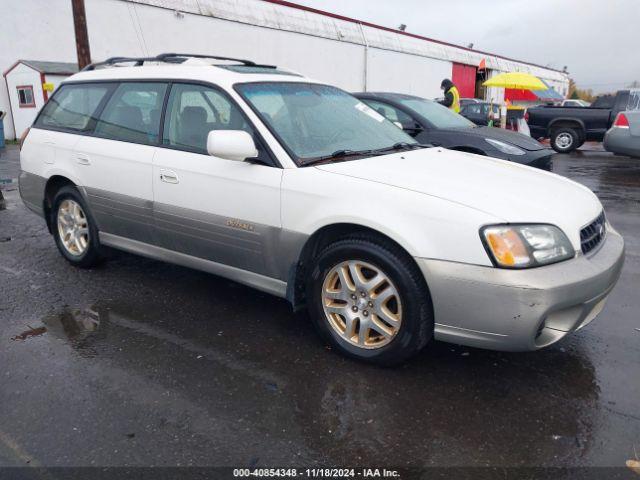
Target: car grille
point(593, 234)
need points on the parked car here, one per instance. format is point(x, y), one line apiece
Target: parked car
point(430, 122)
point(572, 102)
point(623, 137)
point(569, 127)
point(481, 113)
point(467, 101)
point(299, 189)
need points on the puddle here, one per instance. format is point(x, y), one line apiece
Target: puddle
point(32, 332)
point(73, 324)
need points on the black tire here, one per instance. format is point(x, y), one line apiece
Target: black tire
point(565, 139)
point(416, 327)
point(92, 255)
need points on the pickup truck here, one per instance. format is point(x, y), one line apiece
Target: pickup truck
point(569, 127)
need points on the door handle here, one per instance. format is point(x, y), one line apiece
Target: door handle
point(83, 159)
point(167, 176)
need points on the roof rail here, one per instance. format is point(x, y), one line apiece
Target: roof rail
point(169, 58)
point(163, 56)
point(113, 60)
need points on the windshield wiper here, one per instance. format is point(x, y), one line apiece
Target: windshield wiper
point(338, 154)
point(402, 146)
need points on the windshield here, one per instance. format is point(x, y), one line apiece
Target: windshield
point(314, 121)
point(438, 115)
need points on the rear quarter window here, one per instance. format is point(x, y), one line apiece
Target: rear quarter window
point(73, 107)
point(634, 100)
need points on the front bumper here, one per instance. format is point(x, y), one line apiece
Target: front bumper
point(532, 158)
point(520, 310)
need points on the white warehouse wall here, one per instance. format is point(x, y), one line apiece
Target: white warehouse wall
point(330, 61)
point(321, 47)
point(400, 72)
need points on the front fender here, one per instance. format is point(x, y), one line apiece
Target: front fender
point(425, 226)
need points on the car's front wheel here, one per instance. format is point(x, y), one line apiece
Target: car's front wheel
point(369, 300)
point(73, 228)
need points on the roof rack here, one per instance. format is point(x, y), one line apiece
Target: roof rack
point(169, 58)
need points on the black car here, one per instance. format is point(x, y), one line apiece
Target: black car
point(467, 101)
point(430, 122)
point(569, 127)
point(481, 113)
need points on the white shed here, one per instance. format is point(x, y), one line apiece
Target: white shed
point(29, 84)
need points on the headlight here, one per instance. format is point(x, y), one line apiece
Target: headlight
point(524, 246)
point(505, 147)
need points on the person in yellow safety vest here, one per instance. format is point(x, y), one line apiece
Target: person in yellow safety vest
point(451, 95)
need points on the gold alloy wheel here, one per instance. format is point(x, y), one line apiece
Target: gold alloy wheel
point(73, 228)
point(361, 304)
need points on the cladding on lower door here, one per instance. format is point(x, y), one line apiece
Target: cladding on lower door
point(257, 248)
point(122, 215)
point(213, 237)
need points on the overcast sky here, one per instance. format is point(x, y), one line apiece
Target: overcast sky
point(598, 40)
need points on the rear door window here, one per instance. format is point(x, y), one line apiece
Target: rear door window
point(73, 107)
point(133, 113)
point(473, 109)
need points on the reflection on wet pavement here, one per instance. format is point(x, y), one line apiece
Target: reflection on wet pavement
point(32, 332)
point(612, 178)
point(424, 412)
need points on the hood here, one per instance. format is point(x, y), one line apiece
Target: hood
point(509, 192)
point(514, 138)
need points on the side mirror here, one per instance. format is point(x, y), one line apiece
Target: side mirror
point(231, 145)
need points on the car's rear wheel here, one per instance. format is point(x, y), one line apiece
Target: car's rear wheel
point(74, 229)
point(564, 139)
point(369, 300)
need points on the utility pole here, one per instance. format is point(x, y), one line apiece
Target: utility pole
point(82, 37)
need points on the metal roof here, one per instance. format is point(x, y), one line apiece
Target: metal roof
point(287, 3)
point(285, 15)
point(54, 68)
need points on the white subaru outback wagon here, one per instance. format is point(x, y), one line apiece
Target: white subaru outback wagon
point(299, 189)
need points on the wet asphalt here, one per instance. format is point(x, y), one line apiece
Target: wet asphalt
point(143, 363)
